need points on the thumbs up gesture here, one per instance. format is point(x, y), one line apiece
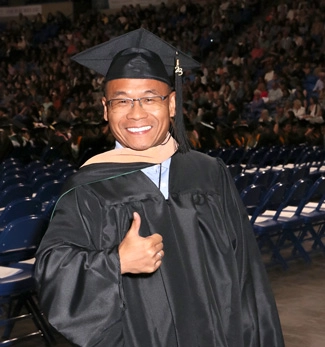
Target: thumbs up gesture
point(140, 254)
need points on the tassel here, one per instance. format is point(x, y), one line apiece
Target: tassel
point(179, 128)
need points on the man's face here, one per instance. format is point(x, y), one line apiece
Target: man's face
point(135, 127)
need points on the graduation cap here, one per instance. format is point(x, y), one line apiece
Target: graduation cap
point(140, 54)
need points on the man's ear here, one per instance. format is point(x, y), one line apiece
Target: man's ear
point(104, 103)
point(172, 104)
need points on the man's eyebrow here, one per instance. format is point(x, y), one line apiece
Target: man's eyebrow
point(118, 93)
point(121, 93)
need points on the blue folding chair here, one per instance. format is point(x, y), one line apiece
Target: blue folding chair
point(292, 221)
point(255, 159)
point(19, 241)
point(20, 238)
point(298, 173)
point(49, 207)
point(40, 179)
point(14, 192)
point(243, 180)
point(49, 191)
point(313, 215)
point(226, 153)
point(283, 156)
point(13, 171)
point(59, 163)
point(12, 165)
point(34, 166)
point(282, 175)
point(236, 156)
point(269, 227)
point(64, 171)
point(234, 169)
point(269, 158)
point(12, 179)
point(251, 197)
point(19, 208)
point(263, 229)
point(262, 177)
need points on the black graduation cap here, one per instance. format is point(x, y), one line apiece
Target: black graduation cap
point(142, 55)
point(138, 46)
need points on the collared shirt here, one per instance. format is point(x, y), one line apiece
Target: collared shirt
point(159, 174)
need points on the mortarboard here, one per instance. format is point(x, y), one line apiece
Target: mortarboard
point(142, 55)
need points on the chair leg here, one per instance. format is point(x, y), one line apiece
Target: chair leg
point(320, 234)
point(12, 312)
point(275, 251)
point(297, 245)
point(39, 320)
point(314, 235)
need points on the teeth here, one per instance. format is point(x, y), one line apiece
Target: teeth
point(137, 130)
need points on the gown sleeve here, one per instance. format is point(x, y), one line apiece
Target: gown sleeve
point(261, 324)
point(78, 279)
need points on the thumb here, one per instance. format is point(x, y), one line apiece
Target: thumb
point(135, 226)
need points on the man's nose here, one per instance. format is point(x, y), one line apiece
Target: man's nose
point(136, 111)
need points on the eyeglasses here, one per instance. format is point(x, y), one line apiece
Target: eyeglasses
point(148, 103)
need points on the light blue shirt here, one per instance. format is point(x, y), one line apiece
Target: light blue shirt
point(157, 173)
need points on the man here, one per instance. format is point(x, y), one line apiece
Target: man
point(150, 245)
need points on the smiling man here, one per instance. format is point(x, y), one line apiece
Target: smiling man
point(150, 244)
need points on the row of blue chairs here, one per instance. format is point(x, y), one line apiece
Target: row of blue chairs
point(288, 221)
point(275, 156)
point(268, 177)
point(19, 240)
point(26, 206)
point(45, 193)
point(27, 197)
point(14, 171)
point(34, 180)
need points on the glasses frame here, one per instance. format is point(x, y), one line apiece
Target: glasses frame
point(132, 100)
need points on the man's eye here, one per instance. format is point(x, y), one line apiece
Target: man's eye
point(149, 100)
point(123, 102)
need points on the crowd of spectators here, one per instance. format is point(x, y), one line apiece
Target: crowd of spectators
point(261, 81)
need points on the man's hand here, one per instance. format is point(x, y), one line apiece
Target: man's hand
point(140, 254)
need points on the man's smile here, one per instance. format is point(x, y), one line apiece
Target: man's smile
point(140, 129)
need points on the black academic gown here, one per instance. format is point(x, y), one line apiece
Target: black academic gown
point(211, 289)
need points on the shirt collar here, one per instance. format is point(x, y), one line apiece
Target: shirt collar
point(165, 164)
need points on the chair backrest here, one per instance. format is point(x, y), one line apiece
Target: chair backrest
point(13, 171)
point(271, 200)
point(251, 197)
point(35, 166)
point(236, 156)
point(315, 193)
point(40, 179)
point(282, 176)
point(20, 208)
point(49, 207)
point(14, 192)
point(294, 195)
point(255, 159)
point(283, 156)
point(235, 169)
point(270, 157)
point(49, 191)
point(262, 178)
point(20, 238)
point(12, 165)
point(59, 163)
point(12, 179)
point(299, 172)
point(242, 181)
